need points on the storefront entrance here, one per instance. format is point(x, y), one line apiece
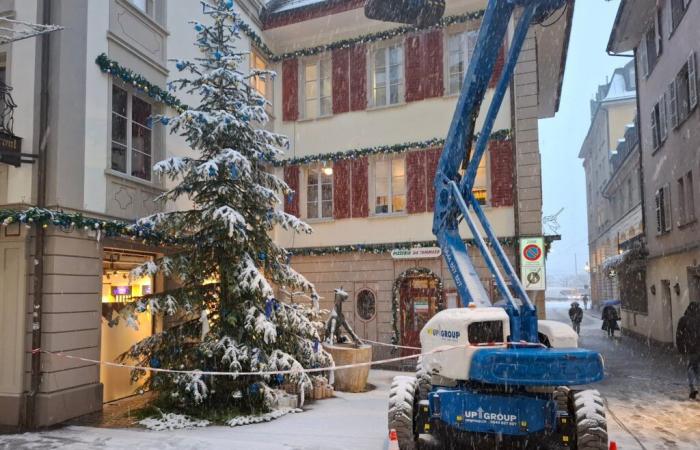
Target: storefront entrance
point(420, 297)
point(117, 289)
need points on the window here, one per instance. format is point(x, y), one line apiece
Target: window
point(316, 93)
point(389, 186)
point(658, 124)
point(387, 75)
point(260, 83)
point(682, 219)
point(485, 333)
point(144, 5)
point(678, 9)
point(683, 92)
point(131, 134)
point(649, 49)
point(460, 48)
point(663, 210)
point(366, 304)
point(480, 188)
point(319, 193)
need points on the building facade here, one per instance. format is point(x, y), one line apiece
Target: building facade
point(666, 41)
point(365, 108)
point(612, 183)
point(366, 122)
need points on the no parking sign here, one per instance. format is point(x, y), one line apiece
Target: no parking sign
point(532, 263)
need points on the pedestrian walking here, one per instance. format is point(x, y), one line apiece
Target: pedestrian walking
point(688, 343)
point(610, 318)
point(576, 316)
point(585, 301)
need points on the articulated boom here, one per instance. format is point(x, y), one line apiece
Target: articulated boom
point(453, 194)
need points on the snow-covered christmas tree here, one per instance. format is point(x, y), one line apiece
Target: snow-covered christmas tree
point(223, 259)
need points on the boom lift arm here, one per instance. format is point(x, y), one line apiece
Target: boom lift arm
point(453, 195)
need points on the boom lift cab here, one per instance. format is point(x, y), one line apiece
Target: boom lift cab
point(489, 374)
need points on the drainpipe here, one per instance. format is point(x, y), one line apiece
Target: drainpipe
point(31, 418)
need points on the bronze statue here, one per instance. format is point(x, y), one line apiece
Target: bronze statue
point(336, 322)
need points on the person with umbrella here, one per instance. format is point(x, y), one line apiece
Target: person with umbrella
point(610, 318)
point(576, 316)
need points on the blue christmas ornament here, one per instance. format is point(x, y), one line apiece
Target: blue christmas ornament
point(315, 346)
point(279, 378)
point(181, 65)
point(229, 4)
point(198, 27)
point(155, 362)
point(262, 256)
point(217, 55)
point(164, 120)
point(212, 172)
point(268, 307)
point(234, 172)
point(254, 388)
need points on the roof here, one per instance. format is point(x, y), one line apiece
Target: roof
point(633, 18)
point(278, 6)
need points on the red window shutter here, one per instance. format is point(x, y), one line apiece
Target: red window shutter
point(431, 163)
point(414, 68)
point(433, 70)
point(360, 184)
point(291, 200)
point(341, 80)
point(290, 89)
point(502, 162)
point(341, 189)
point(358, 78)
point(498, 68)
point(416, 182)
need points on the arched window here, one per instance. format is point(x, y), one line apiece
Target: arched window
point(366, 304)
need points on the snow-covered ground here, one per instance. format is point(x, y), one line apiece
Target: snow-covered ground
point(645, 391)
point(348, 421)
point(645, 388)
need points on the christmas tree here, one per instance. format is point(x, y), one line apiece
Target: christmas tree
point(224, 261)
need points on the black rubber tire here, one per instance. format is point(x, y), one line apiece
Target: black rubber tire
point(591, 424)
point(423, 381)
point(401, 410)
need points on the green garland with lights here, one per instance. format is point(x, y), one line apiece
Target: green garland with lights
point(362, 39)
point(410, 273)
point(500, 135)
point(138, 81)
point(378, 249)
point(68, 222)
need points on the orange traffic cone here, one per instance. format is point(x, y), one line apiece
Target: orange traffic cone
point(613, 445)
point(393, 440)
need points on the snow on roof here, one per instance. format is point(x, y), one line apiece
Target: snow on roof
point(612, 262)
point(617, 89)
point(278, 6)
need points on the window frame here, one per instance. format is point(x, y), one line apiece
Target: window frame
point(390, 189)
point(386, 46)
point(317, 61)
point(269, 84)
point(150, 10)
point(130, 122)
point(664, 217)
point(319, 193)
point(467, 53)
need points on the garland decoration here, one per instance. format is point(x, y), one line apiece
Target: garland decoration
point(68, 222)
point(500, 135)
point(411, 273)
point(136, 80)
point(362, 39)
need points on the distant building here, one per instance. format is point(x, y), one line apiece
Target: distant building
point(611, 162)
point(665, 38)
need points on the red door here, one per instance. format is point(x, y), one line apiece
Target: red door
point(420, 300)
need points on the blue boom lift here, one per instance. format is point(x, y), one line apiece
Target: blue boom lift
point(502, 376)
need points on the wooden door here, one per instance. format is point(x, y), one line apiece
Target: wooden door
point(419, 302)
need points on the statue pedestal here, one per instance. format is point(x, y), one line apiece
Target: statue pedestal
point(355, 378)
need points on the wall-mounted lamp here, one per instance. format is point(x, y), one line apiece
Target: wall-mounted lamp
point(653, 289)
point(328, 170)
point(677, 289)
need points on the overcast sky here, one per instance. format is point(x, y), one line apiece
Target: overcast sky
point(560, 137)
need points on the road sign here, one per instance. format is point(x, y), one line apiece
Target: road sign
point(532, 270)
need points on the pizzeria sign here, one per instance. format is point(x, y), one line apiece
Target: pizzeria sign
point(416, 253)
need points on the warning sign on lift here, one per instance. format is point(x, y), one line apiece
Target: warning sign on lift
point(532, 263)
